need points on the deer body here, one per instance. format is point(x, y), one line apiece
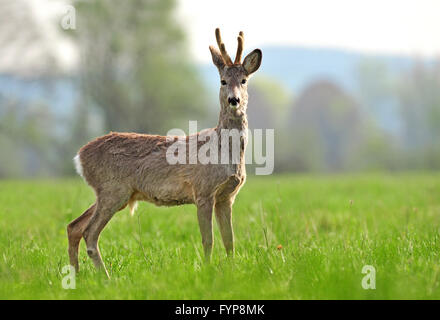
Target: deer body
point(124, 168)
point(137, 163)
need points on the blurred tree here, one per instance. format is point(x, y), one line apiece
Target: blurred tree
point(28, 65)
point(376, 91)
point(326, 129)
point(419, 97)
point(27, 47)
point(25, 134)
point(134, 65)
point(379, 151)
point(268, 101)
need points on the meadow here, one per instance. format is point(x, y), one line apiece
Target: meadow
point(297, 237)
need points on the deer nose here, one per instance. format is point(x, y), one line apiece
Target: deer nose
point(234, 101)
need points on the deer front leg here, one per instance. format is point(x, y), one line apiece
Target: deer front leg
point(223, 214)
point(204, 215)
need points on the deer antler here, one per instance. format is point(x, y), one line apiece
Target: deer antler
point(222, 48)
point(225, 55)
point(240, 40)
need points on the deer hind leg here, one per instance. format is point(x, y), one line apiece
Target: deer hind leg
point(75, 231)
point(223, 215)
point(107, 204)
point(204, 215)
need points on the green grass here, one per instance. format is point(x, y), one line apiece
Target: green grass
point(329, 228)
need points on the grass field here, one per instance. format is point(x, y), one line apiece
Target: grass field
point(329, 228)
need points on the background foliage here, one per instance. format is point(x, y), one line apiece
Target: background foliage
point(134, 73)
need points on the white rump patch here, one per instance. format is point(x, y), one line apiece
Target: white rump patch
point(78, 165)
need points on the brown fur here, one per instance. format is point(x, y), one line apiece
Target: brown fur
point(124, 168)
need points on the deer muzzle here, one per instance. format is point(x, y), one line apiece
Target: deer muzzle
point(234, 102)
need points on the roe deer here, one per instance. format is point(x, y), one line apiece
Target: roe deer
point(124, 168)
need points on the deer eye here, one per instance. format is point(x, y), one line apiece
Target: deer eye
point(223, 82)
point(243, 81)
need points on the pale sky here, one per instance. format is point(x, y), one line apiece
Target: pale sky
point(410, 27)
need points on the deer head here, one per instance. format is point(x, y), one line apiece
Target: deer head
point(234, 76)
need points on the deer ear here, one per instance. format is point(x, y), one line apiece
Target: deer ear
point(217, 58)
point(252, 61)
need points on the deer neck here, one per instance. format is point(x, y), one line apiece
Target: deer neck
point(232, 119)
